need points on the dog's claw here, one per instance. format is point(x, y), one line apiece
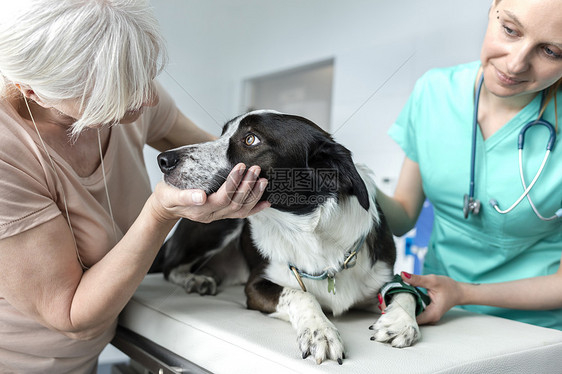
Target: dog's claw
point(305, 355)
point(340, 361)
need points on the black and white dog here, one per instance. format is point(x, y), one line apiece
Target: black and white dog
point(323, 245)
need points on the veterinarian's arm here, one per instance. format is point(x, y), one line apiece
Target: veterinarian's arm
point(403, 209)
point(183, 132)
point(538, 293)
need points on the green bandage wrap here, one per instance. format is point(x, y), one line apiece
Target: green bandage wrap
point(397, 285)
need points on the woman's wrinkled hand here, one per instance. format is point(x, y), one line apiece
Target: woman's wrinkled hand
point(238, 197)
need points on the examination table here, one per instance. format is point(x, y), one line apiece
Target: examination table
point(168, 331)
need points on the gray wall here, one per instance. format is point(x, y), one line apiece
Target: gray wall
point(379, 49)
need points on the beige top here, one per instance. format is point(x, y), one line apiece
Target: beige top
point(31, 194)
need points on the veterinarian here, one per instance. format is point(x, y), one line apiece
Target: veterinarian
point(500, 263)
point(79, 225)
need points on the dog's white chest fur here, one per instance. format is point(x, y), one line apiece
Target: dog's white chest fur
point(320, 241)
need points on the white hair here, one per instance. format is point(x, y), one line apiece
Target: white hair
point(103, 53)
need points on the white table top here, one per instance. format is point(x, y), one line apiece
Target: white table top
point(219, 334)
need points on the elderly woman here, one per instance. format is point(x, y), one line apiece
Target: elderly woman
point(79, 226)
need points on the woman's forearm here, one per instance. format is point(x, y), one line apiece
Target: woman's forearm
point(106, 287)
point(402, 210)
point(398, 219)
point(538, 293)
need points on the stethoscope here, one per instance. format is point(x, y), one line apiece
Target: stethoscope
point(472, 205)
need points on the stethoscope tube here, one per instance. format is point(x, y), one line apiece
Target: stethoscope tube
point(471, 205)
point(494, 202)
point(474, 134)
point(539, 121)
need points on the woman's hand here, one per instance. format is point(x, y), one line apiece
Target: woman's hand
point(535, 293)
point(238, 197)
point(443, 291)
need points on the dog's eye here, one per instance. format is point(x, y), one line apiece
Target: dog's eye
point(251, 140)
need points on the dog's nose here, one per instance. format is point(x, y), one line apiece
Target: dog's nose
point(167, 161)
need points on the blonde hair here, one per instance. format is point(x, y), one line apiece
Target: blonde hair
point(104, 53)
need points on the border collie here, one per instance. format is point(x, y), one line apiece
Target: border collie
point(323, 245)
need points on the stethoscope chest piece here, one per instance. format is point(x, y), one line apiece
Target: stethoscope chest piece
point(470, 206)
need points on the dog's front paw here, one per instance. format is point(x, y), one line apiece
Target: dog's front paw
point(396, 327)
point(322, 341)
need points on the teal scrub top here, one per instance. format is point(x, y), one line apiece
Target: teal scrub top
point(435, 130)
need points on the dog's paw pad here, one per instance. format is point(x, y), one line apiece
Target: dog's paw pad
point(322, 342)
point(396, 327)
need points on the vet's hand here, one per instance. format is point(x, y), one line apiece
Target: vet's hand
point(238, 197)
point(443, 291)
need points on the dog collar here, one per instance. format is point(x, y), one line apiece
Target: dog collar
point(329, 273)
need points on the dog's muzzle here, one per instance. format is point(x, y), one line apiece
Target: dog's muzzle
point(196, 166)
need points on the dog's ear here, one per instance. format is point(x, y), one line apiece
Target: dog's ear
point(336, 161)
